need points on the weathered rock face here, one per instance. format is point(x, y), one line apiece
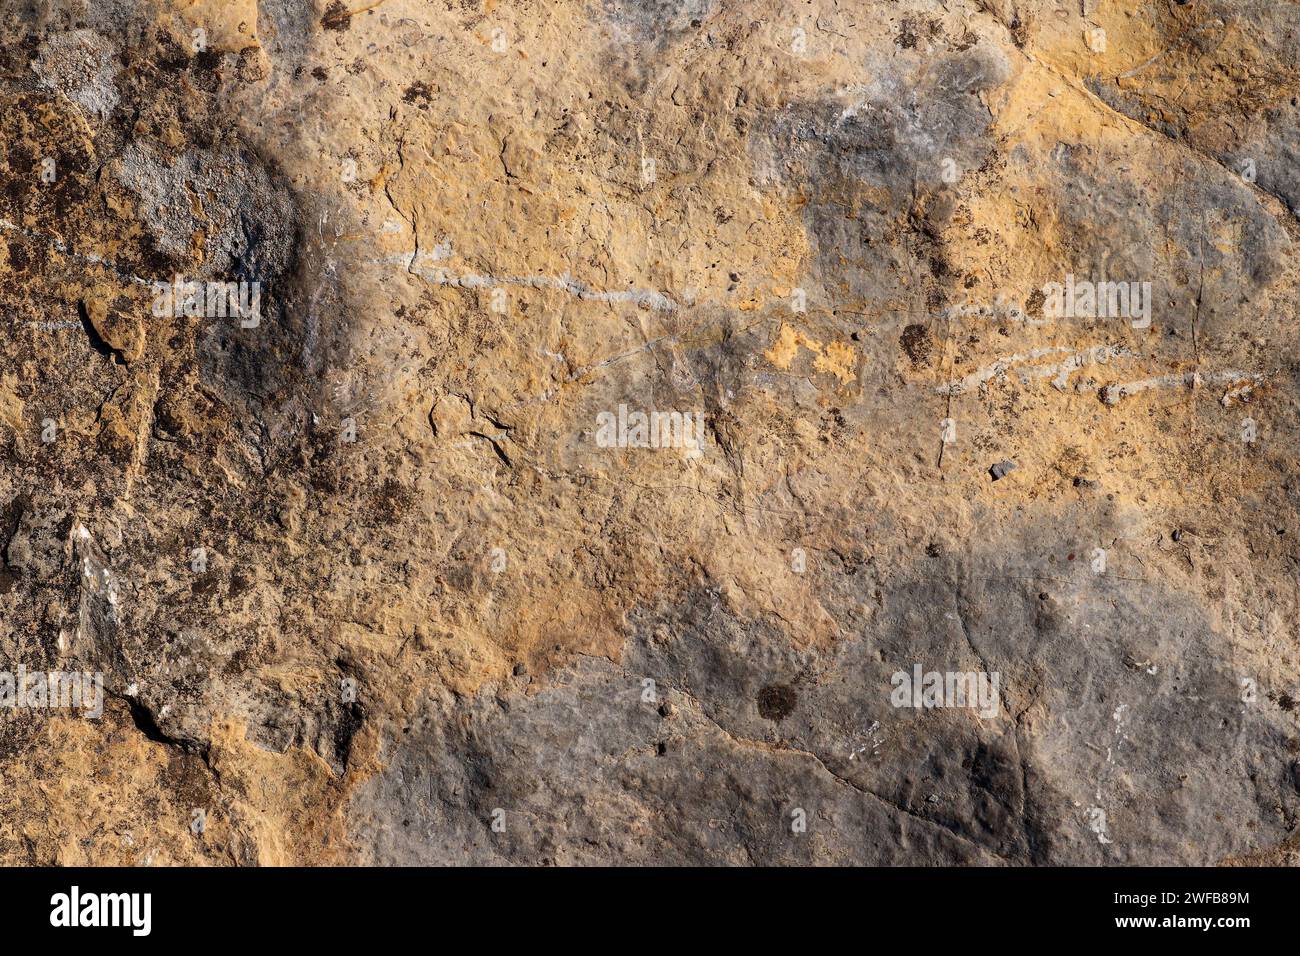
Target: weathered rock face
point(564, 432)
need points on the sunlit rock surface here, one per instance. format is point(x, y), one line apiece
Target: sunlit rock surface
point(564, 432)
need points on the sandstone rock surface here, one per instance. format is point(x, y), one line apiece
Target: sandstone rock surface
point(373, 567)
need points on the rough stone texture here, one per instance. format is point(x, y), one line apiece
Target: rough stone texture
point(480, 225)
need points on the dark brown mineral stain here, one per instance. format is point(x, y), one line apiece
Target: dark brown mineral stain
point(776, 701)
point(337, 17)
point(417, 92)
point(907, 36)
point(916, 343)
point(1034, 305)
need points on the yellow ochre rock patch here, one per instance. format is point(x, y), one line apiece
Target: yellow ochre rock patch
point(835, 358)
